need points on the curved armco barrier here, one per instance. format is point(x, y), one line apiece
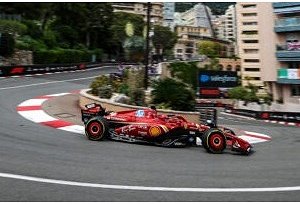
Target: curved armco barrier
point(46, 68)
point(286, 118)
point(32, 110)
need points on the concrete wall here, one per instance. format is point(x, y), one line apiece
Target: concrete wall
point(85, 98)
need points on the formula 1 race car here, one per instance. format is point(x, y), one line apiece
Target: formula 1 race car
point(146, 126)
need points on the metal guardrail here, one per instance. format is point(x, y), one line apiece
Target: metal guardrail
point(268, 115)
point(45, 68)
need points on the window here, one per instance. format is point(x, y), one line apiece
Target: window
point(256, 78)
point(250, 32)
point(229, 68)
point(249, 14)
point(249, 6)
point(250, 51)
point(250, 41)
point(179, 50)
point(251, 69)
point(250, 23)
point(251, 60)
point(295, 90)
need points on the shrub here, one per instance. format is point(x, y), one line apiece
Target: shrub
point(175, 94)
point(105, 91)
point(137, 97)
point(61, 56)
point(97, 83)
point(13, 27)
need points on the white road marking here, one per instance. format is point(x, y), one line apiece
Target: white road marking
point(145, 188)
point(46, 83)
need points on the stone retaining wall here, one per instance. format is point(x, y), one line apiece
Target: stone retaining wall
point(85, 98)
point(20, 57)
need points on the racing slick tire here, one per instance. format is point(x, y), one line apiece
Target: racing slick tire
point(214, 141)
point(96, 129)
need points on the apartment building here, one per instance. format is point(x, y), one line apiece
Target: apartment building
point(219, 26)
point(156, 14)
point(256, 40)
point(188, 36)
point(284, 82)
point(168, 14)
point(230, 24)
point(198, 16)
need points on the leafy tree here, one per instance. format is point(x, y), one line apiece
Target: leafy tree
point(186, 72)
point(119, 35)
point(12, 27)
point(91, 20)
point(163, 38)
point(183, 99)
point(238, 92)
point(134, 47)
point(209, 48)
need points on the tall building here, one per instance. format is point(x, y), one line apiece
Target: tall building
point(168, 14)
point(219, 27)
point(269, 47)
point(230, 23)
point(156, 14)
point(284, 80)
point(256, 40)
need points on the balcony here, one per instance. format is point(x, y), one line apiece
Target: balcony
point(287, 7)
point(287, 25)
point(285, 4)
point(288, 76)
point(288, 52)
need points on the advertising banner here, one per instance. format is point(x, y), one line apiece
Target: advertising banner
point(217, 79)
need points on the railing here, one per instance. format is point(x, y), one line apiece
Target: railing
point(284, 73)
point(292, 46)
point(287, 22)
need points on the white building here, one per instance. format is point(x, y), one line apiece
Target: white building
point(168, 14)
point(198, 16)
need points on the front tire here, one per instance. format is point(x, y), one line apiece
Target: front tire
point(214, 141)
point(96, 129)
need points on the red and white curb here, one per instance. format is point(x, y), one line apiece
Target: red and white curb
point(32, 110)
point(282, 123)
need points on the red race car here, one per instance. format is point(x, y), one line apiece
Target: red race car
point(146, 126)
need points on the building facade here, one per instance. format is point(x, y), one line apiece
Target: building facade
point(230, 24)
point(269, 47)
point(256, 40)
point(168, 14)
point(188, 36)
point(198, 16)
point(284, 82)
point(156, 14)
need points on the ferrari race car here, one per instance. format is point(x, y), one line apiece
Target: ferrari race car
point(146, 126)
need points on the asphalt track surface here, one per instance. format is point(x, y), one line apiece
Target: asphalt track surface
point(29, 149)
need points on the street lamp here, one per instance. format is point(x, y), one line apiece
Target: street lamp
point(147, 46)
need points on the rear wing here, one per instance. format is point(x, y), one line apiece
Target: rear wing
point(208, 116)
point(92, 110)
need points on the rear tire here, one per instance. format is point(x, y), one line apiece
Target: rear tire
point(96, 129)
point(214, 141)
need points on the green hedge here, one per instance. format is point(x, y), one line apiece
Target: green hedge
point(64, 56)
